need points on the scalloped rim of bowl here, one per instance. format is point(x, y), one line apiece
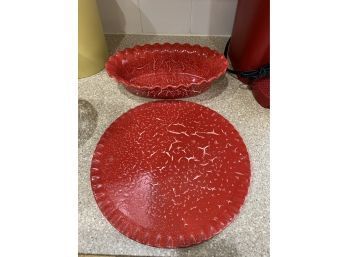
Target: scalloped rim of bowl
point(151, 47)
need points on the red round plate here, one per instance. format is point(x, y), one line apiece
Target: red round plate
point(166, 70)
point(170, 173)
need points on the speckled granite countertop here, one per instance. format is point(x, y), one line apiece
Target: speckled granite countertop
point(101, 101)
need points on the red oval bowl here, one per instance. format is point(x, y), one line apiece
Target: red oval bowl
point(166, 70)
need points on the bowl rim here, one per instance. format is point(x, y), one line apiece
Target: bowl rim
point(151, 47)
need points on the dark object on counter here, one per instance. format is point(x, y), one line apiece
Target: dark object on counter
point(170, 173)
point(248, 49)
point(166, 70)
point(88, 119)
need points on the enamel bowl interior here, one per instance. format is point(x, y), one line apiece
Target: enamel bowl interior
point(166, 65)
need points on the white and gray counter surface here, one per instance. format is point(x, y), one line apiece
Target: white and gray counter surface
point(102, 100)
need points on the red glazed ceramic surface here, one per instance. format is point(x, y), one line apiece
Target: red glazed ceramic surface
point(166, 70)
point(170, 173)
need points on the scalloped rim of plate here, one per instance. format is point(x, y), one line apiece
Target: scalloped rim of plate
point(118, 219)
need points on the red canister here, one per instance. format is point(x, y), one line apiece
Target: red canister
point(249, 47)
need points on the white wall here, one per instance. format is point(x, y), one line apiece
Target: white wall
point(172, 17)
